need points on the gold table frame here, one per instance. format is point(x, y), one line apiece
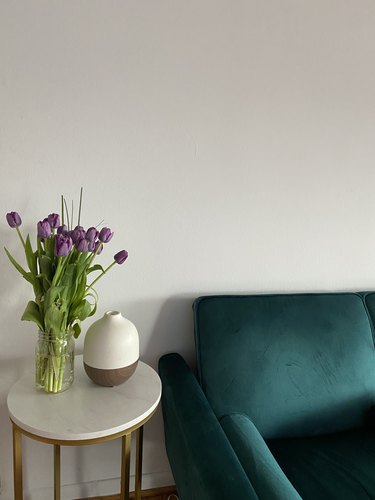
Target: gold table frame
point(125, 436)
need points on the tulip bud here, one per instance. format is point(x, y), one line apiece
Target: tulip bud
point(54, 220)
point(82, 245)
point(121, 256)
point(78, 233)
point(91, 246)
point(92, 234)
point(63, 244)
point(13, 219)
point(62, 229)
point(105, 235)
point(44, 229)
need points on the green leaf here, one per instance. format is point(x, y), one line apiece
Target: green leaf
point(54, 319)
point(50, 246)
point(30, 256)
point(62, 263)
point(38, 288)
point(80, 311)
point(19, 268)
point(70, 281)
point(97, 267)
point(76, 330)
point(93, 311)
point(45, 285)
point(85, 310)
point(94, 295)
point(28, 276)
point(39, 247)
point(56, 308)
point(81, 288)
point(70, 275)
point(56, 295)
point(46, 267)
point(32, 313)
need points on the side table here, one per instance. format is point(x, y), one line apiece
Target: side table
point(84, 414)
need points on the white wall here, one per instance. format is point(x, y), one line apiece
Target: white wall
point(229, 144)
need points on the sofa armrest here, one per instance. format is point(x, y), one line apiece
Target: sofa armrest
point(203, 463)
point(265, 474)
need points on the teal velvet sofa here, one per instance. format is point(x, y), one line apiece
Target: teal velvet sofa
point(281, 407)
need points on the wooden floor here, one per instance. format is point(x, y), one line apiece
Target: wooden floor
point(153, 494)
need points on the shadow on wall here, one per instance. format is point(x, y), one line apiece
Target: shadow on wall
point(171, 328)
point(172, 331)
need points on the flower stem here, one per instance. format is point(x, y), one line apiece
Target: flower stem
point(21, 237)
point(67, 215)
point(100, 275)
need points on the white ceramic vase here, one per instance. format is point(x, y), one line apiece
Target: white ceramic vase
point(111, 349)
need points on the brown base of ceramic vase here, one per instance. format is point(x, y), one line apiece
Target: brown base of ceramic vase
point(109, 378)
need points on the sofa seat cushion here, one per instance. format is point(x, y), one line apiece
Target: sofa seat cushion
point(335, 466)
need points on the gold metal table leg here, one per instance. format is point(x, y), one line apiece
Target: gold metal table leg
point(125, 467)
point(17, 464)
point(138, 463)
point(57, 473)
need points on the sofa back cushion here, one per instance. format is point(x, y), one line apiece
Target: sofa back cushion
point(296, 364)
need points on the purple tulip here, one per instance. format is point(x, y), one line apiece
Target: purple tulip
point(54, 220)
point(91, 234)
point(82, 245)
point(44, 229)
point(78, 233)
point(62, 229)
point(105, 235)
point(98, 247)
point(63, 244)
point(91, 246)
point(121, 256)
point(13, 219)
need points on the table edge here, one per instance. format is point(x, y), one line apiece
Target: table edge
point(95, 437)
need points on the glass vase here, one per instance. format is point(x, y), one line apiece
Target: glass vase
point(54, 361)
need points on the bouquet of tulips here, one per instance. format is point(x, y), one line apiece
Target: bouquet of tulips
point(59, 270)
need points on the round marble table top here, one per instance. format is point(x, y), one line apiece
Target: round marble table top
point(85, 411)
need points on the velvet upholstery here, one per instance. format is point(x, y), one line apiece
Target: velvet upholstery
point(204, 464)
point(298, 365)
point(336, 466)
point(289, 379)
point(262, 469)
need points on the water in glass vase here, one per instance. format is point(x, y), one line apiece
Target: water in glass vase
point(54, 361)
